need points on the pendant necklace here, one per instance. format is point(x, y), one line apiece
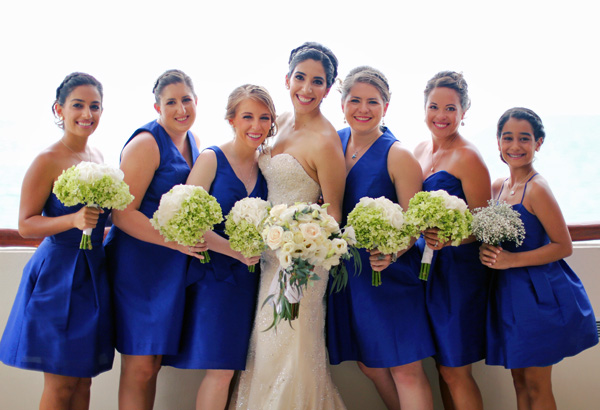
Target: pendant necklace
point(434, 163)
point(516, 186)
point(363, 147)
point(76, 153)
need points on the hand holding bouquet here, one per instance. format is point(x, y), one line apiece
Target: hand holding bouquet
point(244, 225)
point(380, 223)
point(498, 222)
point(185, 213)
point(303, 236)
point(438, 209)
point(92, 184)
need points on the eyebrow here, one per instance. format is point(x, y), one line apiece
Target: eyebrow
point(80, 100)
point(520, 133)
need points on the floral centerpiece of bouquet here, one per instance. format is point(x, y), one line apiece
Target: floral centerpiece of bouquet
point(380, 224)
point(185, 213)
point(244, 225)
point(498, 222)
point(438, 209)
point(92, 184)
point(303, 237)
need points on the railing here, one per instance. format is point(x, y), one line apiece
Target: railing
point(585, 231)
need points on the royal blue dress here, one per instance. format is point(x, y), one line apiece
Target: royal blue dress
point(457, 291)
point(384, 326)
point(221, 298)
point(537, 315)
point(148, 280)
point(61, 321)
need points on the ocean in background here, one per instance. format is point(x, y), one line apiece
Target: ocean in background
point(568, 160)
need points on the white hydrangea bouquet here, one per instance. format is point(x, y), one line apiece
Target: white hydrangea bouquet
point(498, 222)
point(92, 184)
point(380, 224)
point(244, 225)
point(438, 209)
point(303, 237)
point(185, 213)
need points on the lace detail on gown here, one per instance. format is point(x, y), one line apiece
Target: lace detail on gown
point(287, 368)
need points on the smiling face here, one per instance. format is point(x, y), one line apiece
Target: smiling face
point(252, 122)
point(307, 85)
point(517, 143)
point(81, 111)
point(443, 112)
point(177, 108)
point(364, 108)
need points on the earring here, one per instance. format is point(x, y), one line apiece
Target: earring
point(383, 122)
point(61, 118)
point(345, 122)
point(462, 123)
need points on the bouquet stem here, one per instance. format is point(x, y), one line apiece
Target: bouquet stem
point(86, 240)
point(206, 257)
point(375, 278)
point(252, 268)
point(426, 263)
point(295, 310)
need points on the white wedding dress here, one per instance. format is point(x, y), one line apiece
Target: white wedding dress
point(287, 369)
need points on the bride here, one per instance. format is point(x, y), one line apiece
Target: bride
point(287, 368)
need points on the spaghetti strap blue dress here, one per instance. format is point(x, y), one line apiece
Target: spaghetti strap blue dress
point(148, 280)
point(457, 292)
point(61, 321)
point(221, 296)
point(537, 315)
point(383, 326)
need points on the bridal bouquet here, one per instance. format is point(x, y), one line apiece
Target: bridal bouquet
point(303, 237)
point(92, 184)
point(438, 209)
point(244, 225)
point(185, 213)
point(498, 222)
point(380, 224)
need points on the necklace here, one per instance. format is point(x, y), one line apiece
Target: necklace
point(76, 153)
point(363, 147)
point(434, 163)
point(516, 186)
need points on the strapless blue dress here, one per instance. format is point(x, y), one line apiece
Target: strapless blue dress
point(383, 326)
point(537, 315)
point(457, 292)
point(221, 297)
point(148, 280)
point(61, 321)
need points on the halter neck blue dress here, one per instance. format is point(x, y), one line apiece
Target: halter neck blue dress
point(61, 321)
point(149, 280)
point(537, 315)
point(383, 326)
point(221, 297)
point(457, 291)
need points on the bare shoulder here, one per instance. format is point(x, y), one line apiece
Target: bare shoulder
point(399, 152)
point(539, 189)
point(141, 145)
point(420, 148)
point(284, 119)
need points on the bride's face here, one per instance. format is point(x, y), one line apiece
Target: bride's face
point(307, 85)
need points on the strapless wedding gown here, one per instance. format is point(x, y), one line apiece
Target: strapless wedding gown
point(287, 368)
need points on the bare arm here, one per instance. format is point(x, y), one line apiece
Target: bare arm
point(331, 172)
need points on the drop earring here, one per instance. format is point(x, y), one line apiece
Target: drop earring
point(462, 123)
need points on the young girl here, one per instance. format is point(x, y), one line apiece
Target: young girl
point(538, 310)
point(61, 321)
point(221, 299)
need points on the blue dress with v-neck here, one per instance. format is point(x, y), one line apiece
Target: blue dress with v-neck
point(537, 315)
point(457, 291)
point(384, 326)
point(148, 280)
point(221, 295)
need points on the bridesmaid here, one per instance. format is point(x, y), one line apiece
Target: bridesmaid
point(61, 321)
point(221, 301)
point(148, 274)
point(385, 329)
point(458, 284)
point(539, 312)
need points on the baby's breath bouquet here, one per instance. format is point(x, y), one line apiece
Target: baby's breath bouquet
point(303, 236)
point(380, 224)
point(438, 209)
point(96, 185)
point(244, 225)
point(498, 222)
point(185, 213)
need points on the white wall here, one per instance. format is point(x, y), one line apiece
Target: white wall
point(576, 381)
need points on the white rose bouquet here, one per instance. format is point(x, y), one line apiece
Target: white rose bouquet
point(498, 222)
point(380, 224)
point(438, 209)
point(96, 185)
point(303, 236)
point(244, 225)
point(185, 213)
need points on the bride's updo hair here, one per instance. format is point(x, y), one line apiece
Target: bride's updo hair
point(256, 93)
point(315, 51)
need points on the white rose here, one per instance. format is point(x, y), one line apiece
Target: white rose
point(310, 231)
point(274, 237)
point(277, 210)
point(397, 220)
